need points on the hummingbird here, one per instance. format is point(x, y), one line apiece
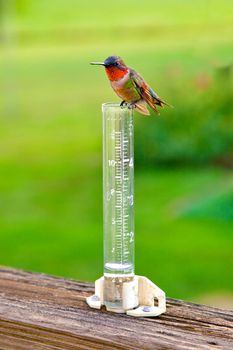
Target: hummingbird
point(130, 86)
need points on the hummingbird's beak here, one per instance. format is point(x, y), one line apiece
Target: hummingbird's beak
point(98, 63)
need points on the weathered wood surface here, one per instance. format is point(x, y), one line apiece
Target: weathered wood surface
point(40, 312)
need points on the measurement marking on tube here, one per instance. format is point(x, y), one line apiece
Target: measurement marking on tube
point(111, 162)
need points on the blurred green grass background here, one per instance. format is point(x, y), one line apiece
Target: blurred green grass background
point(50, 138)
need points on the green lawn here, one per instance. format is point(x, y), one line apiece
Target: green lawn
point(50, 140)
point(51, 212)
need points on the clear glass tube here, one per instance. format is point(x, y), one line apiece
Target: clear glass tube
point(119, 290)
point(118, 191)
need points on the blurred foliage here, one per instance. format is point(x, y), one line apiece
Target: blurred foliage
point(21, 6)
point(198, 130)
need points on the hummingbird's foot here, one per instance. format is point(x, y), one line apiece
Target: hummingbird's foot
point(123, 104)
point(131, 105)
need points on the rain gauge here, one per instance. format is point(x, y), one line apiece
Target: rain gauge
point(120, 290)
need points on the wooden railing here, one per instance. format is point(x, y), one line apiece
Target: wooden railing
point(40, 312)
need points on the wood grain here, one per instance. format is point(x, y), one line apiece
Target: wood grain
point(41, 312)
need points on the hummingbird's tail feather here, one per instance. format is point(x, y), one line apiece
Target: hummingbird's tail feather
point(157, 100)
point(153, 106)
point(162, 103)
point(141, 107)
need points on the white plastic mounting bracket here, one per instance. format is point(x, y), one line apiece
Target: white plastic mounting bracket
point(138, 298)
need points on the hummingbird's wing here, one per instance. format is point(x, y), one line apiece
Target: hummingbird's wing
point(146, 91)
